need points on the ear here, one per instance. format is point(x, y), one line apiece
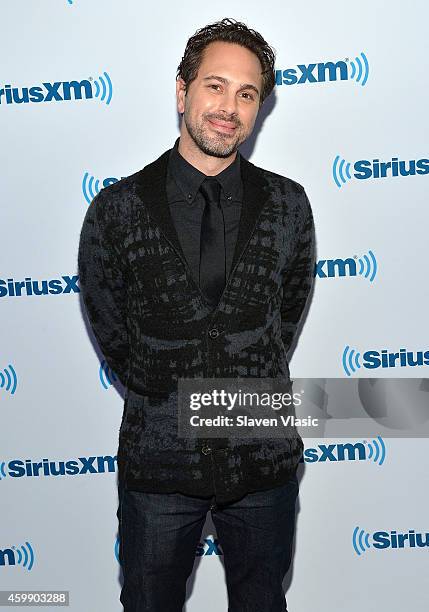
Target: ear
point(180, 95)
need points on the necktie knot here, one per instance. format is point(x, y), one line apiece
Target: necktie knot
point(210, 188)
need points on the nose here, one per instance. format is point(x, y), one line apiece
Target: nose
point(228, 104)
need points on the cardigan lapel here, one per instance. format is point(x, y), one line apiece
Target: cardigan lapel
point(151, 188)
point(255, 196)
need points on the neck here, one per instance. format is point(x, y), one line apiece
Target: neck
point(207, 164)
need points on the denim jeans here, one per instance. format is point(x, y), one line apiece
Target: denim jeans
point(159, 534)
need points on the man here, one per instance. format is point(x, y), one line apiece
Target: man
point(199, 266)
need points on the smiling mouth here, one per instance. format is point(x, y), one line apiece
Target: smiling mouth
point(222, 128)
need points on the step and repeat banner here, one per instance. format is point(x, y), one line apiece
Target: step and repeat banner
point(87, 96)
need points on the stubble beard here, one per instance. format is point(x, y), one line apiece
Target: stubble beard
point(218, 145)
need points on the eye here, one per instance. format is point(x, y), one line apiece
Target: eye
point(214, 85)
point(246, 93)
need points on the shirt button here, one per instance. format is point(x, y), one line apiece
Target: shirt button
point(214, 333)
point(206, 450)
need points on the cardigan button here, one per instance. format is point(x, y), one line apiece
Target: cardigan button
point(206, 450)
point(214, 333)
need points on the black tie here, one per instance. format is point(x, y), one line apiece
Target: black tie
point(212, 243)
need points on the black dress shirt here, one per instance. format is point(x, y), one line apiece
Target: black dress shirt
point(187, 203)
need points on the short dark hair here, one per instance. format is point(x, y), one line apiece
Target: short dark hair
point(228, 30)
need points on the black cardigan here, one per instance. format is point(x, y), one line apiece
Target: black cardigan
point(154, 325)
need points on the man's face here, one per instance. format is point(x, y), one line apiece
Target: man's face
point(221, 104)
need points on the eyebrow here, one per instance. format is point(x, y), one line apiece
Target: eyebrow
point(226, 81)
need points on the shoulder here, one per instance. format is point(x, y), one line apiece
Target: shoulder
point(284, 188)
point(115, 192)
point(114, 203)
point(120, 198)
point(111, 206)
point(278, 180)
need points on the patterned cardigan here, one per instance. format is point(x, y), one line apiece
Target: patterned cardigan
point(154, 326)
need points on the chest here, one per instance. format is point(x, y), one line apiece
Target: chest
point(159, 270)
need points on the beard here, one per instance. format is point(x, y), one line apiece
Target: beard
point(218, 144)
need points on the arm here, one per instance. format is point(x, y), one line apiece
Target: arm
point(298, 278)
point(104, 292)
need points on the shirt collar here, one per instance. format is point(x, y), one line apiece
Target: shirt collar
point(189, 178)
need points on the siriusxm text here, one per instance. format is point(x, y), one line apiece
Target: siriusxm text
point(29, 286)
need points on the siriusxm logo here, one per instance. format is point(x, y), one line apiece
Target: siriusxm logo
point(8, 379)
point(374, 450)
point(60, 91)
point(27, 287)
point(22, 555)
point(352, 360)
point(91, 185)
point(342, 70)
point(363, 540)
point(330, 268)
point(209, 547)
point(375, 169)
point(17, 468)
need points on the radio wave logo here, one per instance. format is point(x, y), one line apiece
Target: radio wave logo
point(90, 187)
point(341, 171)
point(116, 550)
point(377, 450)
point(359, 69)
point(18, 555)
point(8, 379)
point(107, 375)
point(329, 268)
point(342, 70)
point(351, 360)
point(360, 540)
point(368, 266)
point(103, 88)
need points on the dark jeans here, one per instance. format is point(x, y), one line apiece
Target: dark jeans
point(159, 534)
